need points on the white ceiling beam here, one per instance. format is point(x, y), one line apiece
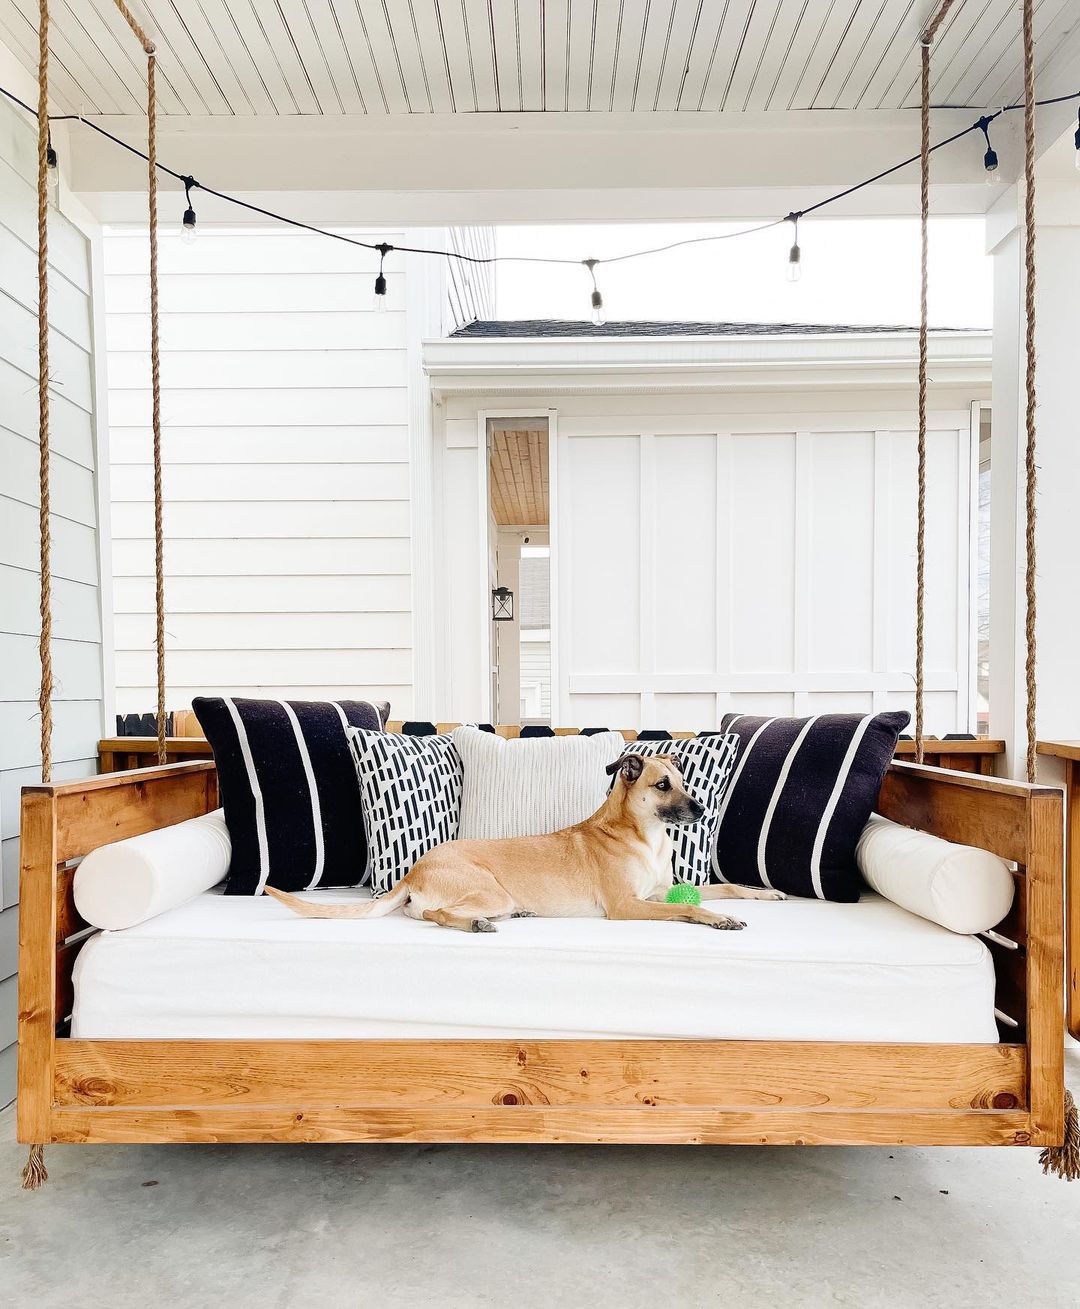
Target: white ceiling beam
point(506, 168)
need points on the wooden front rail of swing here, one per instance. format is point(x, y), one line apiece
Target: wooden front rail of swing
point(665, 1091)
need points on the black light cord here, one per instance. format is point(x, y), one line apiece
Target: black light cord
point(980, 124)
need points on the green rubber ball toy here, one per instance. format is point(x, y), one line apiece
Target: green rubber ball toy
point(684, 893)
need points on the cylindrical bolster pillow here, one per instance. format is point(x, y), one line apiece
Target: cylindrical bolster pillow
point(962, 888)
point(127, 882)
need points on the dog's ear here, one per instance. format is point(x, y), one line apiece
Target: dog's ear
point(678, 763)
point(630, 765)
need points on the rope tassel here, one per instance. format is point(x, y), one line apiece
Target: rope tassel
point(35, 1174)
point(1064, 1160)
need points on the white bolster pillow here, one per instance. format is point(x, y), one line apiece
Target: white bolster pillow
point(127, 882)
point(962, 888)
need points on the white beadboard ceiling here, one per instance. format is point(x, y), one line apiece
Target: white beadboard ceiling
point(247, 58)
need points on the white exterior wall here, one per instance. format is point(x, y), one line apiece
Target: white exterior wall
point(286, 443)
point(77, 624)
point(751, 551)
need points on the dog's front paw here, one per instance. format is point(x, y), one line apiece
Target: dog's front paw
point(772, 895)
point(725, 924)
point(483, 925)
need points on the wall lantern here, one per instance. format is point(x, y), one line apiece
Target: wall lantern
point(502, 605)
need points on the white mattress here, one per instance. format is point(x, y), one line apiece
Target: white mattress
point(801, 970)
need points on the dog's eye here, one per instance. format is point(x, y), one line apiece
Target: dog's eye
point(663, 784)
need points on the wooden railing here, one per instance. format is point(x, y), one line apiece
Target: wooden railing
point(118, 753)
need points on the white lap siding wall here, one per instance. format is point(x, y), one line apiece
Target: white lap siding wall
point(286, 447)
point(77, 645)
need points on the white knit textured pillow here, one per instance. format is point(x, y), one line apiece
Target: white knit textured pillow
point(532, 786)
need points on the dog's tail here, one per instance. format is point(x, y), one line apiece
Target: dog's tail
point(377, 908)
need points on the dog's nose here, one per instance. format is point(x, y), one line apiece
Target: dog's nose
point(697, 810)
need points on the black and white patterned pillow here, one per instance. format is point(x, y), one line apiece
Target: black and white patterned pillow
point(289, 789)
point(707, 763)
point(410, 794)
point(802, 792)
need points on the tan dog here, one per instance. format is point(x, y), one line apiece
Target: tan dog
point(610, 866)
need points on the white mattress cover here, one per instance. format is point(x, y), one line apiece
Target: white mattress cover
point(240, 967)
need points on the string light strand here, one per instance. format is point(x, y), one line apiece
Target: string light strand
point(981, 124)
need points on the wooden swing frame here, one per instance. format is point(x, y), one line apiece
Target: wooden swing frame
point(706, 1092)
point(672, 1091)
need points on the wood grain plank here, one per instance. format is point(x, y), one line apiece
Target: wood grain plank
point(954, 806)
point(37, 975)
point(1045, 966)
point(479, 1074)
point(156, 797)
point(526, 1123)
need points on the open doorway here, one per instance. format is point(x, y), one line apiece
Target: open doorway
point(519, 554)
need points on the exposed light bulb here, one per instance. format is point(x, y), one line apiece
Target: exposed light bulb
point(990, 163)
point(187, 225)
point(597, 301)
point(794, 263)
point(52, 174)
point(378, 301)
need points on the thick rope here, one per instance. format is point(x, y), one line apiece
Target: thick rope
point(44, 530)
point(1030, 467)
point(924, 283)
point(155, 382)
point(133, 23)
point(929, 32)
point(34, 1173)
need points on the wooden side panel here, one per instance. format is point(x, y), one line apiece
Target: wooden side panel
point(1045, 967)
point(94, 814)
point(658, 1126)
point(37, 966)
point(581, 1074)
point(1072, 899)
point(958, 807)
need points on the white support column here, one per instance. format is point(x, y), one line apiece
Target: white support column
point(1058, 422)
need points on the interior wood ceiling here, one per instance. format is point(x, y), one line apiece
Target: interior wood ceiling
point(334, 57)
point(519, 477)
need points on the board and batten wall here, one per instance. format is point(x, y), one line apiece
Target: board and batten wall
point(748, 552)
point(77, 620)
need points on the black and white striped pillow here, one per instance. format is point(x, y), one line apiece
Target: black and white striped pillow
point(289, 790)
point(802, 792)
point(706, 764)
point(410, 793)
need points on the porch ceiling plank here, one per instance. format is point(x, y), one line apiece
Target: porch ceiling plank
point(830, 36)
point(787, 22)
point(456, 42)
point(248, 49)
point(893, 34)
point(334, 49)
point(1054, 20)
point(678, 33)
point(629, 34)
point(504, 31)
point(70, 82)
point(284, 58)
point(899, 51)
point(105, 64)
point(481, 53)
point(178, 47)
point(106, 42)
point(430, 24)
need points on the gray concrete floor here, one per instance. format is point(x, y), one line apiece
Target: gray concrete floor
point(400, 1227)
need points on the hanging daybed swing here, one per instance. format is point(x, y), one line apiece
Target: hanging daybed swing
point(673, 1091)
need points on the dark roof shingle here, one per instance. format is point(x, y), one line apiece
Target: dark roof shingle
point(561, 327)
